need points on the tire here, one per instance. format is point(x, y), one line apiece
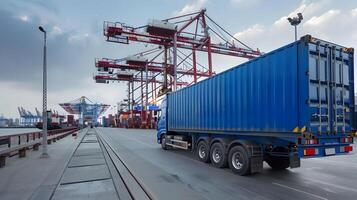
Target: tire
point(218, 155)
point(163, 143)
point(239, 161)
point(278, 163)
point(202, 151)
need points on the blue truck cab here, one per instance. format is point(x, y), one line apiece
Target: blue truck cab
point(294, 102)
point(161, 124)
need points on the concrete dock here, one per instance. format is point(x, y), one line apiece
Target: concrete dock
point(33, 177)
point(87, 174)
point(112, 163)
point(176, 174)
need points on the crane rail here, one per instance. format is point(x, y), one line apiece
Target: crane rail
point(133, 184)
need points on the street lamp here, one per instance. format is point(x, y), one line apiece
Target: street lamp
point(44, 101)
point(295, 21)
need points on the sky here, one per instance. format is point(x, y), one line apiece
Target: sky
point(75, 39)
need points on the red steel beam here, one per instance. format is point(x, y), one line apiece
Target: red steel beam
point(186, 43)
point(128, 78)
point(194, 65)
point(152, 68)
point(117, 32)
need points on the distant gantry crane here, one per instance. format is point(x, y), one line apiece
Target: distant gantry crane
point(173, 63)
point(87, 110)
point(27, 118)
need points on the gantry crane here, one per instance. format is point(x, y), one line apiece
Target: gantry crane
point(86, 109)
point(178, 40)
point(144, 96)
point(181, 32)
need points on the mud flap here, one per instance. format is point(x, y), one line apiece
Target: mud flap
point(294, 160)
point(256, 164)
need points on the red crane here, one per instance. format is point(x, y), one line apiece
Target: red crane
point(182, 32)
point(178, 40)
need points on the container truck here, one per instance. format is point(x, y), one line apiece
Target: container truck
point(294, 102)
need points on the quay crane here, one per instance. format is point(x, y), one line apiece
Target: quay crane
point(178, 41)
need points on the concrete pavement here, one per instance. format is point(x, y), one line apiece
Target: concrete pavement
point(129, 164)
point(87, 175)
point(33, 177)
point(176, 174)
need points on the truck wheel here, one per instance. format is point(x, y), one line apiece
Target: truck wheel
point(218, 155)
point(278, 163)
point(239, 161)
point(203, 151)
point(163, 143)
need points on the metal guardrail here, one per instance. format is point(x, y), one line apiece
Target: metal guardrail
point(19, 143)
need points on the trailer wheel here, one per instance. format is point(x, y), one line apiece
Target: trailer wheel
point(218, 155)
point(163, 143)
point(239, 161)
point(203, 151)
point(278, 163)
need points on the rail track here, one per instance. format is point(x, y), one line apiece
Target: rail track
point(133, 185)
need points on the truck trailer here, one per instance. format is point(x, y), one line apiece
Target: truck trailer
point(294, 102)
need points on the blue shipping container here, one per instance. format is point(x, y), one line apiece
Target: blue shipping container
point(304, 87)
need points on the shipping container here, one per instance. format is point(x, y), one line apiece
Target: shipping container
point(298, 99)
point(70, 120)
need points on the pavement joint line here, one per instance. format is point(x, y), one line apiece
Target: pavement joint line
point(104, 153)
point(82, 181)
point(86, 165)
point(85, 181)
point(301, 191)
point(90, 154)
point(69, 159)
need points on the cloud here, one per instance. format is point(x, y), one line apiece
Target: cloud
point(250, 33)
point(354, 12)
point(195, 6)
point(244, 3)
point(321, 21)
point(78, 38)
point(45, 11)
point(71, 53)
point(56, 30)
point(24, 18)
point(307, 9)
point(70, 64)
point(21, 54)
point(339, 25)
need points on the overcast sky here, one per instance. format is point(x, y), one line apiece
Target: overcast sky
point(75, 39)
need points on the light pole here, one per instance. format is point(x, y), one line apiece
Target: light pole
point(44, 101)
point(295, 21)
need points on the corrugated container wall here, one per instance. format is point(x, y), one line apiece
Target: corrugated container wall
point(277, 92)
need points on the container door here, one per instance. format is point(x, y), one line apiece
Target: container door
point(328, 88)
point(319, 90)
point(340, 90)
